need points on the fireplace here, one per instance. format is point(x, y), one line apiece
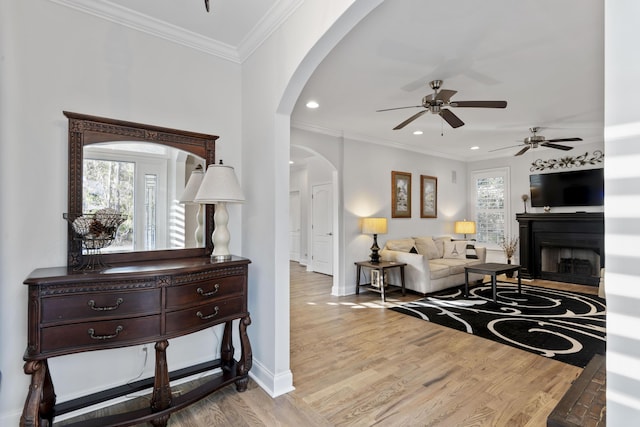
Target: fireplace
point(562, 247)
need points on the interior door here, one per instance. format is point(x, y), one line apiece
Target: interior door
point(322, 229)
point(294, 226)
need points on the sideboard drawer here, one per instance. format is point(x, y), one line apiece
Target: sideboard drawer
point(99, 304)
point(204, 315)
point(99, 334)
point(201, 292)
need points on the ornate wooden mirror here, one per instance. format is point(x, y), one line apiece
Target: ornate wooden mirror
point(88, 133)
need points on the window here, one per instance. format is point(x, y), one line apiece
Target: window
point(110, 184)
point(132, 184)
point(490, 204)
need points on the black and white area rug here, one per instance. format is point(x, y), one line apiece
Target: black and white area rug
point(566, 326)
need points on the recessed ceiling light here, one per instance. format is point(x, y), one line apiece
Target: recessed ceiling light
point(312, 104)
point(290, 162)
point(475, 147)
point(417, 132)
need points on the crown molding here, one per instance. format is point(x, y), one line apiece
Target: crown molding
point(371, 140)
point(270, 22)
point(129, 18)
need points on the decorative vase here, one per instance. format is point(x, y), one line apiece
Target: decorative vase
point(509, 274)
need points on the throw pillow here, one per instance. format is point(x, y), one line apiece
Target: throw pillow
point(427, 247)
point(455, 250)
point(471, 250)
point(439, 241)
point(401, 245)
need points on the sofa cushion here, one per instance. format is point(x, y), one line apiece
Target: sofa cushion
point(427, 247)
point(438, 270)
point(456, 249)
point(401, 245)
point(471, 250)
point(455, 265)
point(439, 241)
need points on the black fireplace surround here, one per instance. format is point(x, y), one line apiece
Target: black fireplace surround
point(576, 239)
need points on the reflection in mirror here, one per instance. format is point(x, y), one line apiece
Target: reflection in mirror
point(143, 169)
point(143, 181)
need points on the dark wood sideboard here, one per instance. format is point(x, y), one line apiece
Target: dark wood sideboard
point(132, 304)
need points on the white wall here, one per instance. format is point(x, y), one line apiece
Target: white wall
point(52, 59)
point(622, 210)
point(275, 74)
point(521, 167)
point(365, 175)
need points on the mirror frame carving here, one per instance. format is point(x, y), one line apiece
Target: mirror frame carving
point(85, 130)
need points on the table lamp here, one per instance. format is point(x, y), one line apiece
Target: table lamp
point(374, 226)
point(219, 187)
point(465, 227)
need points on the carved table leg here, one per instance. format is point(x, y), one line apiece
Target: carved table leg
point(227, 350)
point(38, 407)
point(161, 398)
point(246, 358)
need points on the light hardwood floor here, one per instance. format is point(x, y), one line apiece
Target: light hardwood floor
point(355, 363)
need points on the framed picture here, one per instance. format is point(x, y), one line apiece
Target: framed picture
point(428, 196)
point(375, 278)
point(400, 194)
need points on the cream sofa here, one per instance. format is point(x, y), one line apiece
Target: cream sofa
point(433, 264)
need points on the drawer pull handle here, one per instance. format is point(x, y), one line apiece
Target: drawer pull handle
point(203, 317)
point(91, 332)
point(201, 291)
point(92, 304)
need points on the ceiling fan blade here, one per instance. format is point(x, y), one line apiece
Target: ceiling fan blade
point(445, 95)
point(558, 146)
point(564, 139)
point(505, 148)
point(453, 120)
point(399, 108)
point(480, 104)
point(410, 119)
point(524, 150)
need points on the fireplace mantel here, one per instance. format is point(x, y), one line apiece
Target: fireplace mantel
point(579, 230)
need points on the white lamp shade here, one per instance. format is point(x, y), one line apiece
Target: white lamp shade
point(190, 190)
point(465, 227)
point(220, 184)
point(374, 225)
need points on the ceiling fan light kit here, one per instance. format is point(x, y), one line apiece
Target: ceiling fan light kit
point(438, 102)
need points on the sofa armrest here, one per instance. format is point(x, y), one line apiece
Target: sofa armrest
point(417, 271)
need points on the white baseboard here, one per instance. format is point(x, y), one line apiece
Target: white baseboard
point(274, 385)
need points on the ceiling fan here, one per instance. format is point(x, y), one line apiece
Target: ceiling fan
point(435, 103)
point(536, 140)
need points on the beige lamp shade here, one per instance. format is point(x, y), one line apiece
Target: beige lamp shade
point(465, 227)
point(220, 184)
point(219, 187)
point(192, 187)
point(374, 225)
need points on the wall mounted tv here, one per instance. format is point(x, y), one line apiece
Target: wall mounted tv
point(575, 188)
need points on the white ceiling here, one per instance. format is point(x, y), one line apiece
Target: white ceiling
point(544, 57)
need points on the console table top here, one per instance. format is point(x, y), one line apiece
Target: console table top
point(129, 269)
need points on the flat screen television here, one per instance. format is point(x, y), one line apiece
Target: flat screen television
point(575, 188)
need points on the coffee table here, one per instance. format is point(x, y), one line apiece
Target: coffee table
point(492, 269)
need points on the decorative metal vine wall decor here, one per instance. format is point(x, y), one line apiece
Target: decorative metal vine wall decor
point(568, 161)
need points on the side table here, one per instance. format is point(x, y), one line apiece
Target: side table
point(380, 267)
